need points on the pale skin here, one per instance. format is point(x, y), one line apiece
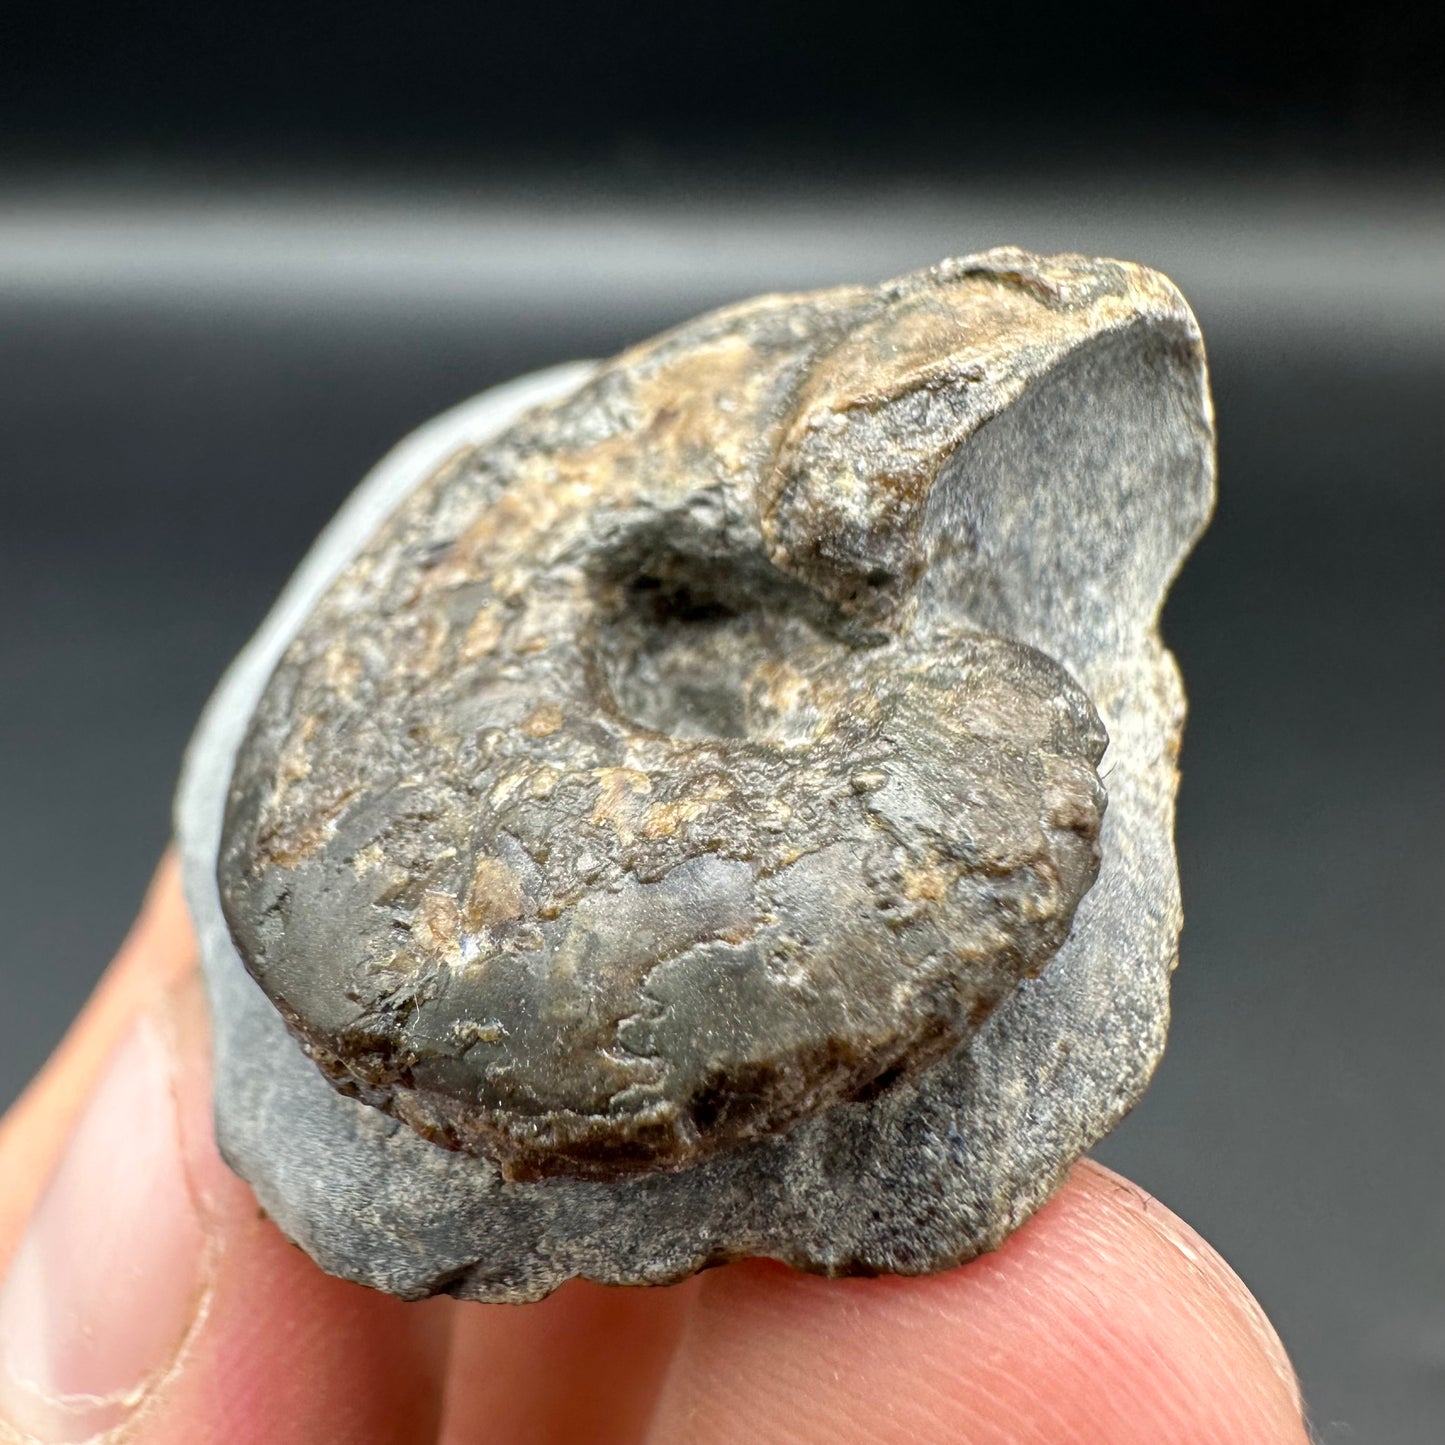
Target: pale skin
point(1104, 1320)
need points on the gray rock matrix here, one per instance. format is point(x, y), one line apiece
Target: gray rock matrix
point(778, 742)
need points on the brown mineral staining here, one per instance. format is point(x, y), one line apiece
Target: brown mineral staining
point(687, 786)
point(482, 636)
point(618, 805)
point(868, 780)
point(437, 926)
point(544, 721)
point(662, 820)
point(544, 783)
point(494, 897)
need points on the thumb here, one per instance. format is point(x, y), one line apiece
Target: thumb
point(145, 1290)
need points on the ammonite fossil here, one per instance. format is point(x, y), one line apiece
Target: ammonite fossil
point(718, 802)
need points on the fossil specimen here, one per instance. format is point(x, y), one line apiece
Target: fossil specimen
point(665, 819)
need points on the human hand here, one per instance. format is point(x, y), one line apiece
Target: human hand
point(146, 1298)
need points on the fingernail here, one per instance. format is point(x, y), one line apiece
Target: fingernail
point(108, 1277)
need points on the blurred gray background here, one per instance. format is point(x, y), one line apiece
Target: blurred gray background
point(222, 297)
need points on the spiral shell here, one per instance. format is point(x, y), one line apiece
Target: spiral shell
point(659, 775)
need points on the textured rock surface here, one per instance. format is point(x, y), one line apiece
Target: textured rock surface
point(675, 800)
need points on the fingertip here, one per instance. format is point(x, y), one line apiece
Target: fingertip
point(584, 1364)
point(1189, 1275)
point(1105, 1320)
point(285, 1353)
point(149, 1291)
point(157, 953)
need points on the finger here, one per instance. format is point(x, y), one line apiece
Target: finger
point(585, 1364)
point(156, 954)
point(1104, 1320)
point(147, 1291)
